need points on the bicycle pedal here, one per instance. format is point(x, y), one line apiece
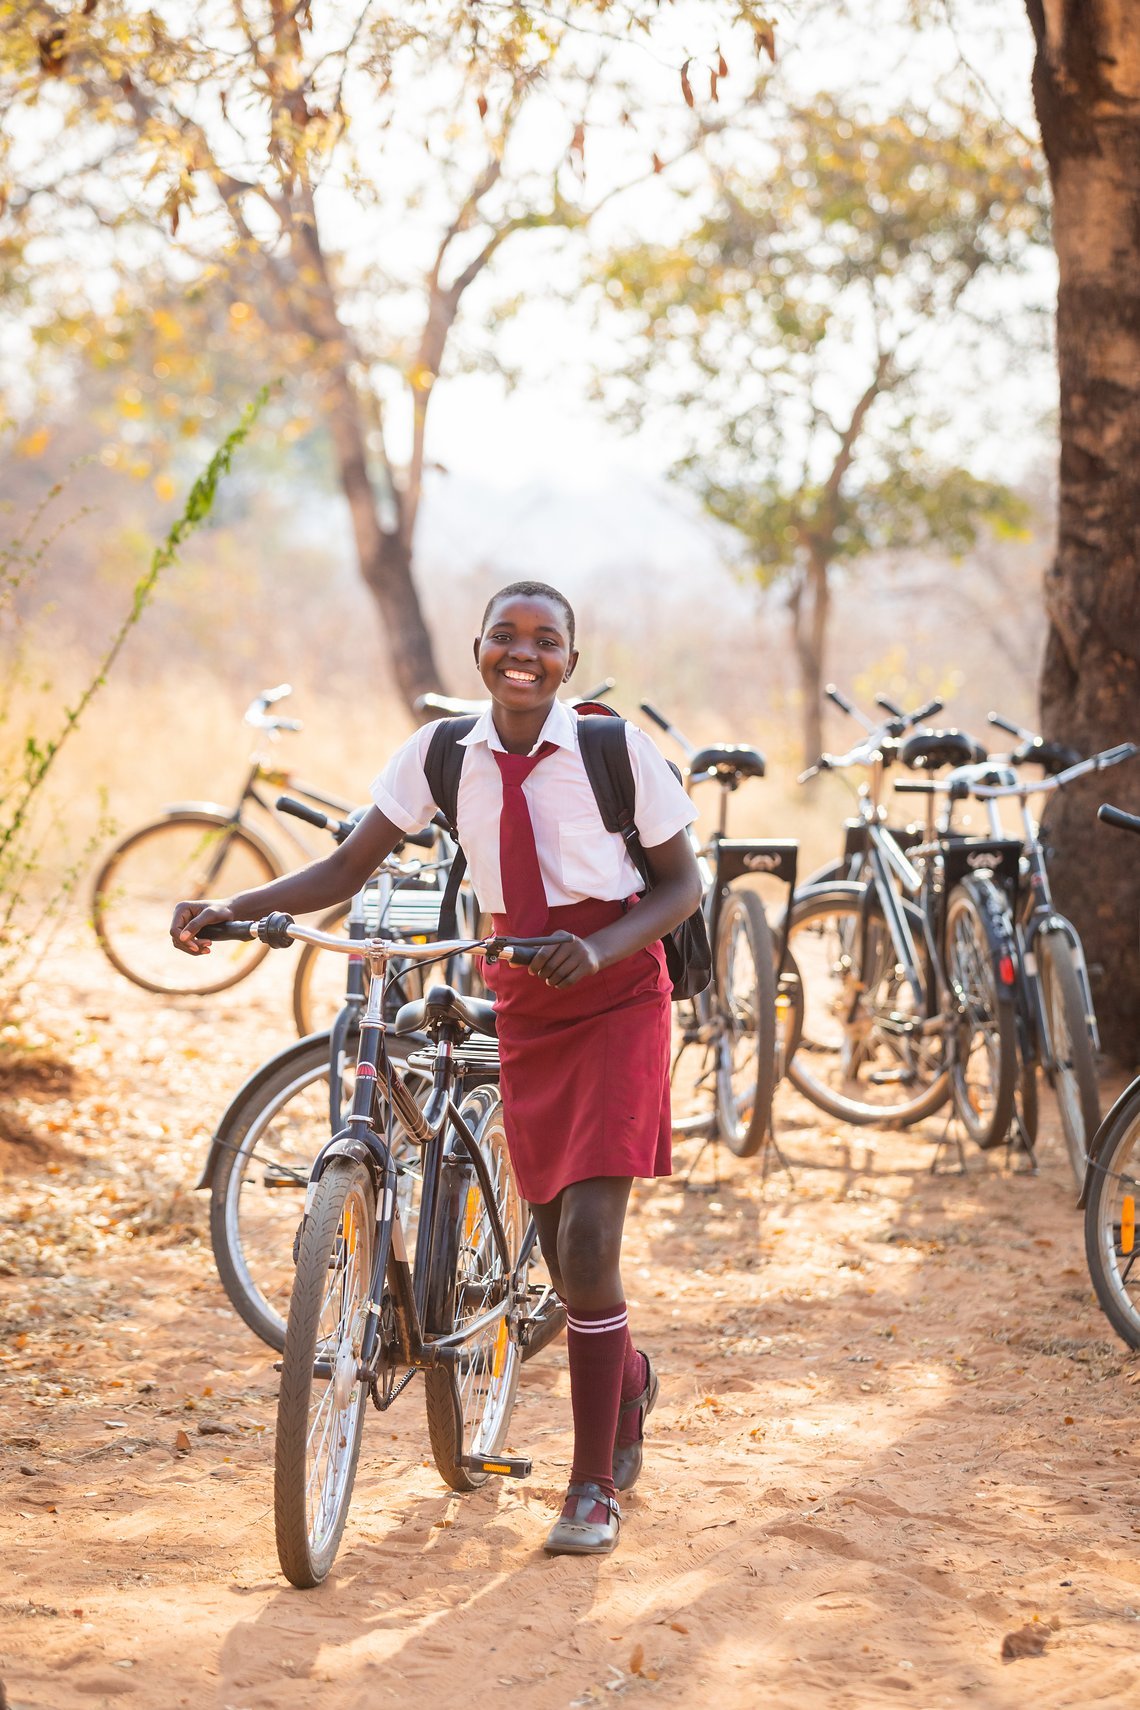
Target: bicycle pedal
point(508, 1466)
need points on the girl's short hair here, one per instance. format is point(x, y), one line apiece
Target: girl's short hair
point(531, 591)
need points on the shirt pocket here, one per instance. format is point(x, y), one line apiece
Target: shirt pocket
point(590, 861)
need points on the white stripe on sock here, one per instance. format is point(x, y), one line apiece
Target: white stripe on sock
point(597, 1326)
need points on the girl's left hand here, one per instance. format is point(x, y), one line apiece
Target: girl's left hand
point(567, 962)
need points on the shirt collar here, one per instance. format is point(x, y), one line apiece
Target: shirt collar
point(561, 728)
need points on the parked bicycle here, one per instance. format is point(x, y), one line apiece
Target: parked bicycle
point(1056, 1019)
point(197, 849)
point(727, 1042)
point(1111, 1187)
point(361, 1308)
point(905, 972)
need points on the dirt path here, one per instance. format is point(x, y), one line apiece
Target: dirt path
point(894, 1428)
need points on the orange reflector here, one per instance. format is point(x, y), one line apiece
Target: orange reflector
point(1128, 1223)
point(500, 1348)
point(1006, 970)
point(471, 1213)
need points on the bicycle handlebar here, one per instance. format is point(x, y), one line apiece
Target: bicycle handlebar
point(279, 931)
point(867, 752)
point(1110, 815)
point(1095, 763)
point(343, 828)
point(687, 748)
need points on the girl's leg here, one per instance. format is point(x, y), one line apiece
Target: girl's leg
point(591, 1220)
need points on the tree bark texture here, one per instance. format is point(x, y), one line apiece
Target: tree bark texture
point(810, 605)
point(1086, 86)
point(384, 555)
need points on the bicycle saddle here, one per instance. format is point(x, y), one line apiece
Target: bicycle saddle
point(1052, 757)
point(729, 758)
point(443, 1003)
point(927, 750)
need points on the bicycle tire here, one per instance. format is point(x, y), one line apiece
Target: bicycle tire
point(464, 1415)
point(811, 911)
point(1107, 1215)
point(151, 869)
point(1070, 1047)
point(970, 967)
point(746, 1015)
point(274, 1129)
point(326, 1320)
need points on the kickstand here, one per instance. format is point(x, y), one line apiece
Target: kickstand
point(773, 1155)
point(711, 1140)
point(1018, 1144)
point(949, 1138)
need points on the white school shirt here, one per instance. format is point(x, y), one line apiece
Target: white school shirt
point(577, 856)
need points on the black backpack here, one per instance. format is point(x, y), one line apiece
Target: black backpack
point(605, 755)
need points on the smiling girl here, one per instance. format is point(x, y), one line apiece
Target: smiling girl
point(584, 1030)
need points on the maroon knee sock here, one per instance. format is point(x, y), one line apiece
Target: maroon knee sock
point(634, 1376)
point(596, 1344)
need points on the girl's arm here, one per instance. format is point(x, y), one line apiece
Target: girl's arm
point(676, 893)
point(332, 880)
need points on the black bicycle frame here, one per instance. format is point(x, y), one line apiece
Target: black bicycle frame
point(360, 1139)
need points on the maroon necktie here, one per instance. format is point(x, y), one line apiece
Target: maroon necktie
point(524, 894)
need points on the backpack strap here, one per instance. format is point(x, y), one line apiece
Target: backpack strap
point(443, 764)
point(605, 755)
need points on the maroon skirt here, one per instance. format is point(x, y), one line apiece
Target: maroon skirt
point(585, 1070)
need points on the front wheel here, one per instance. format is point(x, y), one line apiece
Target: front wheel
point(182, 857)
point(322, 1401)
point(264, 1149)
point(471, 1398)
point(1070, 1047)
point(863, 1049)
point(744, 977)
point(1110, 1219)
point(984, 1073)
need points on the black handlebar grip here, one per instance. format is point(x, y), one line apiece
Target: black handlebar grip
point(889, 706)
point(659, 719)
point(928, 711)
point(301, 810)
point(1110, 815)
point(419, 839)
point(229, 930)
point(1003, 724)
point(839, 700)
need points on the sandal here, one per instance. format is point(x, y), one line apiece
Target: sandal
point(628, 1456)
point(574, 1534)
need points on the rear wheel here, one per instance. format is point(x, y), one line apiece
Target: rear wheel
point(322, 1401)
point(267, 1141)
point(985, 1067)
point(744, 977)
point(185, 856)
point(1110, 1220)
point(863, 1050)
point(1070, 1047)
point(470, 1399)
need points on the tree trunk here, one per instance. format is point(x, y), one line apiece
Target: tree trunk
point(1086, 86)
point(385, 557)
point(809, 606)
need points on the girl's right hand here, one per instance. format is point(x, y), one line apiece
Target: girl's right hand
point(189, 918)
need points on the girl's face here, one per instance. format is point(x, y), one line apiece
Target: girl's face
point(524, 654)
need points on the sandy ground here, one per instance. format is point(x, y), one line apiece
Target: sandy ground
point(894, 1429)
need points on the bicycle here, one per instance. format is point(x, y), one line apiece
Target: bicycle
point(728, 1041)
point(196, 849)
point(360, 1309)
point(905, 972)
point(258, 1164)
point(1112, 1180)
point(1056, 1018)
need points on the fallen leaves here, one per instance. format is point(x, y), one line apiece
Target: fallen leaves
point(182, 1442)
